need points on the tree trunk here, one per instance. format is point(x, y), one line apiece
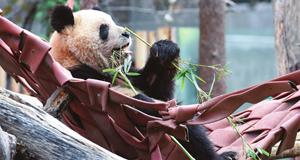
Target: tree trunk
point(212, 43)
point(40, 135)
point(287, 35)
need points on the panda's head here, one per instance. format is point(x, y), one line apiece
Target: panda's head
point(88, 37)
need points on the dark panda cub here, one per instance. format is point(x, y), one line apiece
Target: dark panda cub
point(155, 79)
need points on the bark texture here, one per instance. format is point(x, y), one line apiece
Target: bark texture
point(287, 35)
point(212, 43)
point(39, 135)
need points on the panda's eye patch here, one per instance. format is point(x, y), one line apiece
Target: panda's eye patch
point(104, 31)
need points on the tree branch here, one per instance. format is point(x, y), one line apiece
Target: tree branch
point(44, 136)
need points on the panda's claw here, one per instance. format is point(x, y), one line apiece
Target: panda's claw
point(229, 155)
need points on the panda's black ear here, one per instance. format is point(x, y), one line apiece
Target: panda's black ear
point(96, 7)
point(61, 17)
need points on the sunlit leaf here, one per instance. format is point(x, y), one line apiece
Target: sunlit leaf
point(109, 70)
point(129, 65)
point(199, 78)
point(125, 66)
point(262, 151)
point(182, 83)
point(133, 74)
point(220, 76)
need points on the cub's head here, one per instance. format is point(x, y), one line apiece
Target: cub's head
point(87, 37)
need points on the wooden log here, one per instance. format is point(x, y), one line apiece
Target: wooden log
point(58, 102)
point(44, 136)
point(293, 152)
point(8, 143)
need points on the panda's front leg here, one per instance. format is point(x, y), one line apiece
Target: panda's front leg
point(156, 78)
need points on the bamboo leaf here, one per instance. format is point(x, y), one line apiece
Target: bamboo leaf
point(226, 65)
point(125, 65)
point(211, 87)
point(200, 78)
point(252, 154)
point(179, 75)
point(220, 76)
point(182, 83)
point(193, 68)
point(194, 81)
point(262, 151)
point(114, 78)
point(258, 149)
point(126, 84)
point(129, 65)
point(133, 74)
point(109, 70)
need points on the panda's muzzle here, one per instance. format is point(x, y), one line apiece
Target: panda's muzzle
point(123, 51)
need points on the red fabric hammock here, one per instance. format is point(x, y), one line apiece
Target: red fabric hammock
point(109, 120)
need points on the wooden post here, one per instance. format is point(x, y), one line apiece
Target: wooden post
point(15, 87)
point(166, 33)
point(2, 78)
point(140, 50)
point(287, 35)
point(151, 37)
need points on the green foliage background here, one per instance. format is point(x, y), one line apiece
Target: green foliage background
point(31, 13)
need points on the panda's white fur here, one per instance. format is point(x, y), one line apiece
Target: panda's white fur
point(81, 43)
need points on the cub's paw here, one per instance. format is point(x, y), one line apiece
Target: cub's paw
point(229, 156)
point(165, 51)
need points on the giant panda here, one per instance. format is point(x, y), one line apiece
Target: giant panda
point(83, 43)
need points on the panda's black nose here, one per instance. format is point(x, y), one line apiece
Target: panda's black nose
point(125, 34)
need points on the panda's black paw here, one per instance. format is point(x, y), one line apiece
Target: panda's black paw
point(229, 156)
point(165, 51)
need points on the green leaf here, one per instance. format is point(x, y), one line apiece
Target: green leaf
point(220, 76)
point(109, 70)
point(133, 74)
point(179, 75)
point(194, 81)
point(125, 66)
point(226, 65)
point(262, 151)
point(129, 65)
point(252, 154)
point(126, 84)
point(114, 78)
point(200, 78)
point(50, 4)
point(182, 83)
point(193, 69)
point(212, 86)
point(39, 15)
